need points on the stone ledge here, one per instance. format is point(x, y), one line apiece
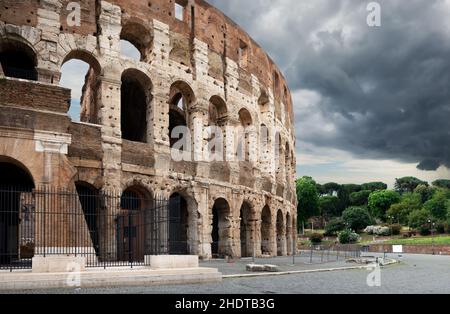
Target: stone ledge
point(58, 264)
point(172, 261)
point(107, 278)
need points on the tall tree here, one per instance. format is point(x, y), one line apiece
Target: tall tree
point(381, 201)
point(445, 184)
point(329, 207)
point(374, 186)
point(308, 199)
point(408, 184)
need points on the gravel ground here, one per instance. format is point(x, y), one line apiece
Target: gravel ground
point(415, 274)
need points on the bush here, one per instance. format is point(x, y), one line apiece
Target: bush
point(334, 226)
point(396, 229)
point(441, 228)
point(348, 237)
point(356, 218)
point(425, 230)
point(378, 230)
point(418, 218)
point(316, 238)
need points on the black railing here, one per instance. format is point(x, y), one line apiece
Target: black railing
point(108, 229)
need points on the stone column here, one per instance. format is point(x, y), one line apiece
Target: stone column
point(205, 221)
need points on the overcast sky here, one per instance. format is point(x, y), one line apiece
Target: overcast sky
point(371, 103)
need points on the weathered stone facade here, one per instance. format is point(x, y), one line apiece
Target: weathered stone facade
point(205, 59)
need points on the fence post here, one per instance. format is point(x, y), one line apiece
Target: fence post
point(311, 255)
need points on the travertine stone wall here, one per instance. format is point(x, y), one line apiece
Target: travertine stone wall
point(203, 55)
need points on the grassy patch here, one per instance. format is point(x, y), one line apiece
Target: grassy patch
point(438, 240)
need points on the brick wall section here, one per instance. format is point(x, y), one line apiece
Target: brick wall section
point(412, 249)
point(86, 142)
point(19, 12)
point(34, 95)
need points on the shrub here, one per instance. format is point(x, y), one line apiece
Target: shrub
point(348, 237)
point(418, 218)
point(334, 226)
point(441, 227)
point(356, 218)
point(396, 229)
point(316, 238)
point(425, 230)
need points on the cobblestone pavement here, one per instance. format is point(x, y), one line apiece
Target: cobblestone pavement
point(416, 274)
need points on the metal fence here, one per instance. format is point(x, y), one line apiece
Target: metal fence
point(106, 228)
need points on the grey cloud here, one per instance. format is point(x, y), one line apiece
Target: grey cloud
point(385, 90)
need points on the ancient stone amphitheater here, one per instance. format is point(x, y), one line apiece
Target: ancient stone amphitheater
point(196, 68)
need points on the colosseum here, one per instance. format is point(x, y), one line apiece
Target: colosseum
point(197, 69)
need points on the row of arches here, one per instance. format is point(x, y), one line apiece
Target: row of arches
point(227, 238)
point(17, 59)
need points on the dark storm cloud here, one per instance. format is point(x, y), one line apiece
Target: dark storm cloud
point(385, 91)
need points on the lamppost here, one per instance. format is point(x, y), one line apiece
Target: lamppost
point(432, 226)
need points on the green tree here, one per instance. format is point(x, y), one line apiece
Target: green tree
point(374, 186)
point(360, 198)
point(381, 201)
point(331, 188)
point(419, 218)
point(400, 212)
point(308, 199)
point(426, 192)
point(334, 226)
point(408, 184)
point(356, 218)
point(438, 206)
point(329, 206)
point(344, 194)
point(444, 184)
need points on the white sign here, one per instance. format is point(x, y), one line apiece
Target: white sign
point(397, 249)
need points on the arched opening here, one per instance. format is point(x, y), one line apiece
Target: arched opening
point(136, 41)
point(17, 60)
point(16, 213)
point(289, 235)
point(80, 72)
point(135, 100)
point(246, 232)
point(264, 102)
point(178, 225)
point(279, 157)
point(266, 234)
point(280, 233)
point(90, 203)
point(218, 112)
point(218, 116)
point(131, 224)
point(264, 148)
point(245, 139)
point(287, 162)
point(221, 236)
point(181, 99)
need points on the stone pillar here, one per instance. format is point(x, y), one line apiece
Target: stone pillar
point(257, 236)
point(205, 221)
point(48, 21)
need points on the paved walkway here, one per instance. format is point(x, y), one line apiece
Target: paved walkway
point(285, 264)
point(417, 274)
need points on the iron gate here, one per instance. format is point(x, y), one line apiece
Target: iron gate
point(98, 226)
